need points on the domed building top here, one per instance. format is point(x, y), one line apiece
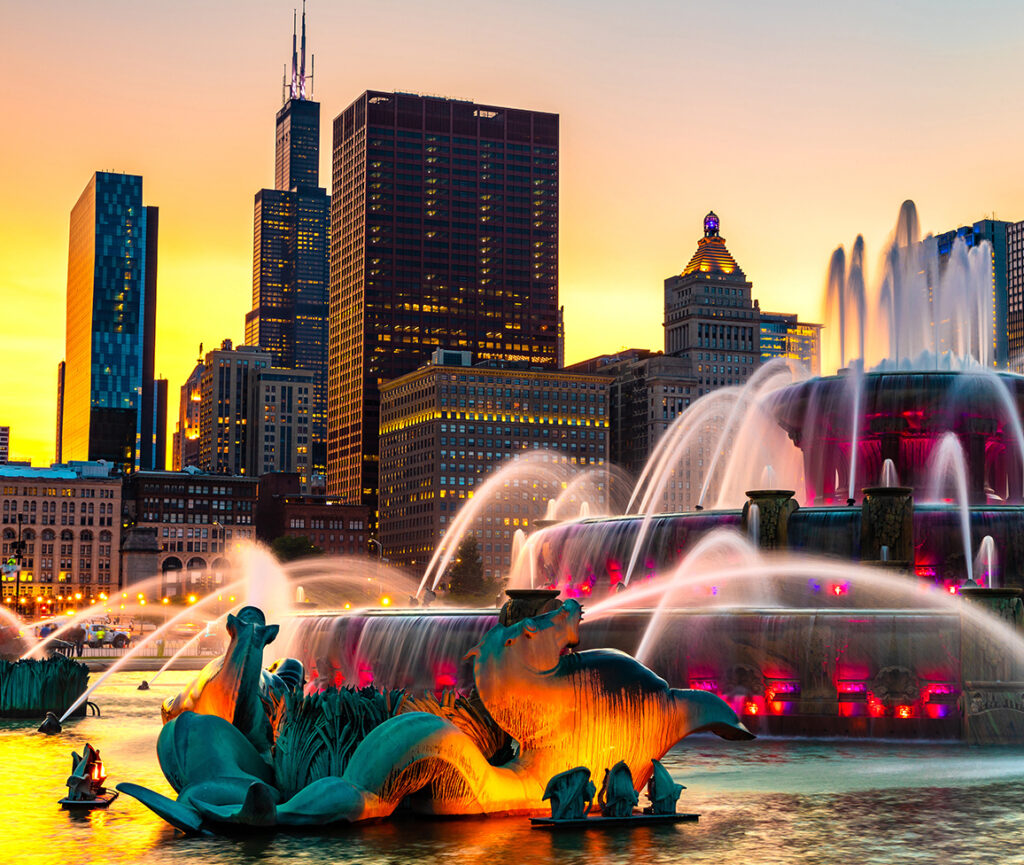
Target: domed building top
point(711, 256)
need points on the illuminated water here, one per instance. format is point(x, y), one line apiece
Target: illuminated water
point(763, 802)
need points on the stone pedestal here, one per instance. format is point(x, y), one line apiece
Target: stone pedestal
point(887, 520)
point(527, 603)
point(993, 678)
point(140, 555)
point(773, 508)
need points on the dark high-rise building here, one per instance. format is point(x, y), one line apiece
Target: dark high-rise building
point(110, 405)
point(290, 256)
point(59, 444)
point(1015, 296)
point(710, 317)
point(783, 335)
point(993, 231)
point(444, 235)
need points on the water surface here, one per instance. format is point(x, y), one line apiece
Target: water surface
point(768, 801)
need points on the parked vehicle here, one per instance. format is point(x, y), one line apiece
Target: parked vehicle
point(99, 634)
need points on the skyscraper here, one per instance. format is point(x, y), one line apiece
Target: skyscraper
point(110, 405)
point(784, 335)
point(1015, 296)
point(290, 261)
point(994, 231)
point(444, 234)
point(710, 317)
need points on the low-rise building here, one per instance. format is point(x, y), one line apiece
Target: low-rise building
point(60, 528)
point(337, 528)
point(198, 519)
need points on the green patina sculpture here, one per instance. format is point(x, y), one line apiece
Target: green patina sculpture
point(617, 798)
point(662, 791)
point(30, 688)
point(242, 746)
point(571, 794)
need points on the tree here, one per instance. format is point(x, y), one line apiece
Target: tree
point(466, 580)
point(288, 548)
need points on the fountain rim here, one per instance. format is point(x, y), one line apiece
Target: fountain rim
point(731, 609)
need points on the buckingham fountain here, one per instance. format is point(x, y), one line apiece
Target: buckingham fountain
point(850, 563)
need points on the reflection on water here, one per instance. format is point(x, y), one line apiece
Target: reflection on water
point(769, 801)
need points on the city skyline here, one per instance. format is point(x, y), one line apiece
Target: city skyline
point(653, 138)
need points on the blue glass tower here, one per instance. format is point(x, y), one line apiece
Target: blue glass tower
point(110, 407)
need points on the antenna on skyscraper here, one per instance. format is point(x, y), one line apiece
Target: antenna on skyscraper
point(200, 358)
point(312, 72)
point(284, 83)
point(295, 69)
point(302, 67)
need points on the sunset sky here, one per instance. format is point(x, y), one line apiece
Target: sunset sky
point(800, 124)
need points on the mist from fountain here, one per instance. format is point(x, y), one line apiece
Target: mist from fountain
point(947, 463)
point(985, 562)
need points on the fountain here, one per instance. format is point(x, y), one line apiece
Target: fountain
point(829, 648)
point(228, 746)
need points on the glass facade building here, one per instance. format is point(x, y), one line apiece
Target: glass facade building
point(444, 235)
point(290, 265)
point(784, 335)
point(110, 405)
point(993, 231)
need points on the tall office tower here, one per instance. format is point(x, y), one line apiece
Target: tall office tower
point(252, 418)
point(110, 405)
point(710, 318)
point(5, 444)
point(185, 450)
point(59, 438)
point(993, 231)
point(1015, 296)
point(290, 255)
point(444, 234)
point(647, 391)
point(784, 335)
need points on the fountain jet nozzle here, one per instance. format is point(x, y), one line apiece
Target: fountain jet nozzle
point(50, 725)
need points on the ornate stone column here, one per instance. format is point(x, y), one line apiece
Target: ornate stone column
point(887, 521)
point(773, 509)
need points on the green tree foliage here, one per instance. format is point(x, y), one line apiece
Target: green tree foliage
point(466, 580)
point(288, 548)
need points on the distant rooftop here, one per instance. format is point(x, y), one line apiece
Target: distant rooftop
point(711, 256)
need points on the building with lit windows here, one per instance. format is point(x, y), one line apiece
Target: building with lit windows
point(994, 232)
point(290, 255)
point(185, 448)
point(337, 528)
point(784, 335)
point(647, 391)
point(198, 518)
point(5, 444)
point(1015, 296)
point(66, 519)
point(711, 320)
point(447, 426)
point(444, 235)
point(253, 417)
point(109, 408)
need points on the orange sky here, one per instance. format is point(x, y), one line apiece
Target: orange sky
point(799, 125)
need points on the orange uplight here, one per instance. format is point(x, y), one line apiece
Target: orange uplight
point(191, 599)
point(385, 601)
point(78, 596)
point(750, 708)
point(348, 606)
point(165, 601)
point(904, 711)
point(103, 596)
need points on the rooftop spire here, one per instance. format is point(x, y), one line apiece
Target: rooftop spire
point(302, 62)
point(295, 71)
